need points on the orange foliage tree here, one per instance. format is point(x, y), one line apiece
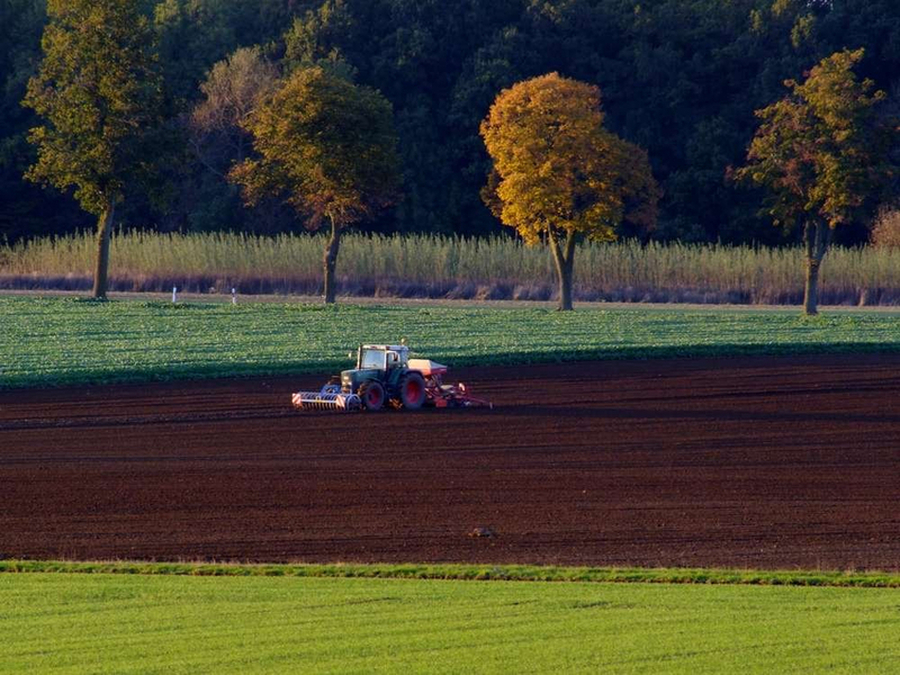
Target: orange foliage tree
point(558, 174)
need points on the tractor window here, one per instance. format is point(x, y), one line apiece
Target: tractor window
point(372, 359)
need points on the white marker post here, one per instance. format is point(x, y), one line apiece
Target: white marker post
point(174, 294)
point(233, 296)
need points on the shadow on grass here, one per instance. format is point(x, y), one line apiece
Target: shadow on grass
point(328, 367)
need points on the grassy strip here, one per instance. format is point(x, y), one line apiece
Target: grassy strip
point(63, 341)
point(470, 573)
point(108, 623)
point(436, 266)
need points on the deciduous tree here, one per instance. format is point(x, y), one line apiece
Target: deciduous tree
point(98, 94)
point(559, 173)
point(328, 148)
point(232, 90)
point(820, 153)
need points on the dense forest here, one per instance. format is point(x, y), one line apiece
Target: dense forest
point(680, 78)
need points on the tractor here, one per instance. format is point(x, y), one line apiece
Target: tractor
point(385, 375)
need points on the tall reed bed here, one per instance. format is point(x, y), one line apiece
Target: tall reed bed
point(453, 267)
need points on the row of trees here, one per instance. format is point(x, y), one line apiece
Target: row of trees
point(680, 78)
point(327, 148)
point(819, 153)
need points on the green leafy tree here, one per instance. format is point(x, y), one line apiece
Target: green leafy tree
point(559, 173)
point(326, 147)
point(207, 200)
point(311, 38)
point(98, 94)
point(821, 152)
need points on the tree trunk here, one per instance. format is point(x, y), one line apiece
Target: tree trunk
point(564, 257)
point(816, 236)
point(101, 271)
point(330, 261)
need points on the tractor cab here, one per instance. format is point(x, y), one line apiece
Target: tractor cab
point(382, 357)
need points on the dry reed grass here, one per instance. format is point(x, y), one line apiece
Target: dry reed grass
point(454, 267)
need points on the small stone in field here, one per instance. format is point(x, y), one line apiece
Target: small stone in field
point(483, 532)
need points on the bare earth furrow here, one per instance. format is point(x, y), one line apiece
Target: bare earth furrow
point(762, 462)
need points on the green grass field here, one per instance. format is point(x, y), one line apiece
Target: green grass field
point(67, 340)
point(102, 623)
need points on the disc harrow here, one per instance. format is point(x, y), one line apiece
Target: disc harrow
point(330, 397)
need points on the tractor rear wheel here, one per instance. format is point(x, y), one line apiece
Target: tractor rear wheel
point(412, 391)
point(372, 395)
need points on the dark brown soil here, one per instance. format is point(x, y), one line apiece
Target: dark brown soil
point(765, 462)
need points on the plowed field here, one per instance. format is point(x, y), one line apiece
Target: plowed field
point(763, 462)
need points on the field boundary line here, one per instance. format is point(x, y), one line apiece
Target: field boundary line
point(462, 572)
point(224, 298)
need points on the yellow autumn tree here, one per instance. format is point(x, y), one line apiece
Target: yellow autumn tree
point(558, 174)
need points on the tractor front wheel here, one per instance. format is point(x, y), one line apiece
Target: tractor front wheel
point(372, 395)
point(412, 391)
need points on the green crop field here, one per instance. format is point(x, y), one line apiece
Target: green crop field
point(102, 623)
point(67, 340)
point(58, 341)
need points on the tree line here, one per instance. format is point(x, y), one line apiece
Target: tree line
point(680, 79)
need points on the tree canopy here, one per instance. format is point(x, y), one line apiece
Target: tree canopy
point(821, 150)
point(326, 146)
point(96, 91)
point(680, 78)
